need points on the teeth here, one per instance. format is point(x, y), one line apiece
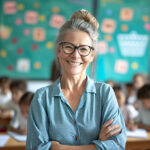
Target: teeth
point(74, 63)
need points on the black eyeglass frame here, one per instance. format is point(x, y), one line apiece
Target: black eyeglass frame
point(76, 47)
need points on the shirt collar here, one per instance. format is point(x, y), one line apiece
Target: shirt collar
point(90, 87)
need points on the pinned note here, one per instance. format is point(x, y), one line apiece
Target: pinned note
point(4, 32)
point(39, 34)
point(56, 21)
point(23, 65)
point(10, 7)
point(121, 66)
point(102, 47)
point(31, 17)
point(126, 14)
point(108, 26)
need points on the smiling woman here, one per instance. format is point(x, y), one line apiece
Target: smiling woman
point(75, 112)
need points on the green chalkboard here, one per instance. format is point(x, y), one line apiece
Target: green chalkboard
point(123, 48)
point(28, 29)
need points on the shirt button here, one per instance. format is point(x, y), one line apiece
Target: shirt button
point(74, 122)
point(76, 137)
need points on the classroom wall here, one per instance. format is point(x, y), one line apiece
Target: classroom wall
point(28, 31)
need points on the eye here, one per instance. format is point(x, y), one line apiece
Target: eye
point(83, 49)
point(68, 47)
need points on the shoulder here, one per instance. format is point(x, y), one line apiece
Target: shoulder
point(47, 89)
point(103, 87)
point(46, 93)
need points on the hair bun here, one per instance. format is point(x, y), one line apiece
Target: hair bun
point(86, 16)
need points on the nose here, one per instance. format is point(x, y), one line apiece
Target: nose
point(76, 53)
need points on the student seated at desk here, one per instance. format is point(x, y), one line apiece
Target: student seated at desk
point(5, 93)
point(25, 102)
point(139, 80)
point(128, 111)
point(18, 88)
point(143, 119)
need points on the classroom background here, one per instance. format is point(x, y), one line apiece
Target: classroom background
point(28, 30)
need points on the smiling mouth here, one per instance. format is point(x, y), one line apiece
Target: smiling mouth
point(74, 63)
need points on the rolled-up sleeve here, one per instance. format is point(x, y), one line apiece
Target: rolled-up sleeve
point(110, 110)
point(37, 135)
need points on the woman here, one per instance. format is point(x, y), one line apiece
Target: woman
point(76, 113)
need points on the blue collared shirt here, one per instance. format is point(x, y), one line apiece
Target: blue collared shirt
point(52, 119)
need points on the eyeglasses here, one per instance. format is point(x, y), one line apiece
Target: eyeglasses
point(69, 48)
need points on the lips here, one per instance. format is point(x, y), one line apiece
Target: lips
point(74, 63)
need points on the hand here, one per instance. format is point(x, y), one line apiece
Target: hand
point(56, 145)
point(107, 131)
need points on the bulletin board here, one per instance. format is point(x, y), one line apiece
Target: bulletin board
point(28, 29)
point(123, 48)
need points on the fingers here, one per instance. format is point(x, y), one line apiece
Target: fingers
point(111, 128)
point(106, 124)
point(112, 133)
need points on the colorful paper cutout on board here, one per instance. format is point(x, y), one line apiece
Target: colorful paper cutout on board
point(102, 47)
point(147, 26)
point(42, 18)
point(55, 9)
point(10, 7)
point(31, 17)
point(126, 14)
point(133, 44)
point(108, 26)
point(23, 65)
point(121, 66)
point(3, 53)
point(56, 21)
point(5, 32)
point(39, 34)
point(26, 32)
point(145, 18)
point(134, 65)
point(20, 6)
point(112, 50)
point(49, 45)
point(37, 65)
point(108, 38)
point(124, 27)
point(18, 21)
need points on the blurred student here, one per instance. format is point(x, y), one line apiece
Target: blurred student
point(143, 119)
point(5, 93)
point(128, 111)
point(5, 97)
point(138, 81)
point(25, 102)
point(130, 93)
point(18, 88)
point(111, 83)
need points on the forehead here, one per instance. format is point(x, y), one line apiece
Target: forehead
point(77, 37)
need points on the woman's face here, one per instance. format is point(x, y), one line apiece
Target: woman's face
point(74, 64)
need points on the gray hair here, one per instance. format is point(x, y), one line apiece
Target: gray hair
point(77, 24)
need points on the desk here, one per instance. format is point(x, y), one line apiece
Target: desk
point(12, 144)
point(138, 143)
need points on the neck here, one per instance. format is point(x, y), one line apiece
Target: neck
point(73, 82)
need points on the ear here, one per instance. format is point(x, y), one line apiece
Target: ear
point(92, 56)
point(58, 51)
